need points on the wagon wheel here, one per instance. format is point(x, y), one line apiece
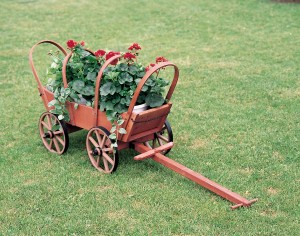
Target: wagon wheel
point(102, 156)
point(162, 137)
point(54, 133)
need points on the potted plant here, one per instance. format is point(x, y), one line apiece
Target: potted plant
point(118, 83)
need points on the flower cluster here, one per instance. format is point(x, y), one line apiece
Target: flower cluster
point(71, 44)
point(100, 53)
point(135, 46)
point(161, 59)
point(158, 60)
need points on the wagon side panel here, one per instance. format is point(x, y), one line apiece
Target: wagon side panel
point(146, 123)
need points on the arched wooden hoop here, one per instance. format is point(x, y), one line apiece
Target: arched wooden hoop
point(31, 59)
point(98, 82)
point(147, 76)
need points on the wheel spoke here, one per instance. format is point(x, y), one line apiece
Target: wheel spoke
point(163, 129)
point(109, 150)
point(45, 125)
point(105, 164)
point(93, 141)
point(59, 132)
point(49, 121)
point(60, 139)
point(162, 138)
point(148, 145)
point(56, 144)
point(48, 144)
point(51, 144)
point(159, 141)
point(101, 140)
point(98, 161)
point(153, 143)
point(108, 158)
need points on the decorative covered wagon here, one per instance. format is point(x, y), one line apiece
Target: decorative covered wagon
point(148, 132)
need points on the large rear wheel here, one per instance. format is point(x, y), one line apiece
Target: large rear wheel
point(54, 133)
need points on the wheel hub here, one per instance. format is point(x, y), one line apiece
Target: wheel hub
point(97, 151)
point(49, 134)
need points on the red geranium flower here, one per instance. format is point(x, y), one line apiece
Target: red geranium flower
point(111, 54)
point(135, 46)
point(161, 59)
point(71, 43)
point(129, 56)
point(100, 53)
point(148, 67)
point(82, 43)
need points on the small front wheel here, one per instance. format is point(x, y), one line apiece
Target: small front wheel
point(54, 133)
point(162, 137)
point(98, 145)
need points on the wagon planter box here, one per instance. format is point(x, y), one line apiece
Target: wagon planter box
point(146, 130)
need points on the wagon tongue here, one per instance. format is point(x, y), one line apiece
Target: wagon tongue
point(156, 155)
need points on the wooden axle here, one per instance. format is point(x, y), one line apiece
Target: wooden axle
point(235, 198)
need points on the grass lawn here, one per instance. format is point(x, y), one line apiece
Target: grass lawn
point(235, 118)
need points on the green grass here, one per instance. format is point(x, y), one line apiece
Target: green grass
point(236, 120)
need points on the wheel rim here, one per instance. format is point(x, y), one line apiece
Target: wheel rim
point(53, 133)
point(102, 156)
point(162, 137)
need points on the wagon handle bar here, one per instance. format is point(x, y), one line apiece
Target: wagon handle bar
point(147, 76)
point(31, 58)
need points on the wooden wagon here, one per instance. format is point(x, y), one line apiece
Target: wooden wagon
point(148, 132)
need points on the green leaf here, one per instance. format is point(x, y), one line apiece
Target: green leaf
point(122, 131)
point(123, 67)
point(121, 78)
point(111, 115)
point(120, 108)
point(74, 95)
point(55, 127)
point(107, 88)
point(109, 105)
point(91, 76)
point(120, 122)
point(125, 77)
point(112, 75)
point(113, 129)
point(52, 103)
point(112, 136)
point(154, 100)
point(78, 85)
point(114, 145)
point(88, 90)
point(76, 106)
point(150, 82)
point(133, 70)
point(144, 88)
